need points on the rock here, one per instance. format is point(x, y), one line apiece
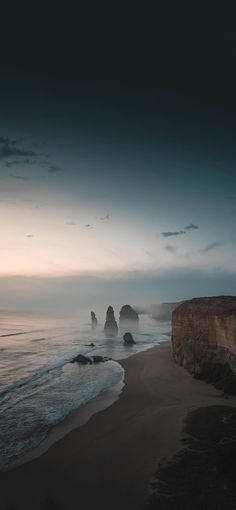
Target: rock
point(110, 328)
point(128, 339)
point(85, 360)
point(94, 320)
point(100, 359)
point(80, 358)
point(204, 332)
point(128, 316)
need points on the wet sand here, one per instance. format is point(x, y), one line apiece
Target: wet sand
point(108, 463)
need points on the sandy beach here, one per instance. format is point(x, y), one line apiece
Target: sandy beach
point(109, 462)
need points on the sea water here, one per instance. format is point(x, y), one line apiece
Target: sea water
point(39, 386)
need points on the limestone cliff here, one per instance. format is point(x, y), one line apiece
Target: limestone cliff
point(204, 332)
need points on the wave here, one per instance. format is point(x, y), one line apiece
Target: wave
point(41, 339)
point(53, 365)
point(21, 333)
point(15, 334)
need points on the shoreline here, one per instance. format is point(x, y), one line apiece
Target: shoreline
point(75, 419)
point(110, 461)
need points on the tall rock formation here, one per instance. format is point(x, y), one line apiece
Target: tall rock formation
point(110, 328)
point(94, 320)
point(204, 333)
point(128, 316)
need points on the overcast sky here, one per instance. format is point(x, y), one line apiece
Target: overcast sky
point(117, 160)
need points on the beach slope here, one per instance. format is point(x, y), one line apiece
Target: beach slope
point(109, 462)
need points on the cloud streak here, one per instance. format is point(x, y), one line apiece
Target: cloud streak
point(10, 148)
point(211, 246)
point(191, 226)
point(71, 223)
point(173, 233)
point(170, 248)
point(54, 169)
point(19, 177)
point(104, 218)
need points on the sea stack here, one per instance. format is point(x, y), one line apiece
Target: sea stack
point(128, 339)
point(110, 328)
point(94, 320)
point(128, 317)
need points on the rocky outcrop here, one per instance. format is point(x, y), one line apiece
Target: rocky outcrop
point(94, 320)
point(128, 316)
point(204, 333)
point(110, 328)
point(80, 358)
point(128, 339)
point(88, 360)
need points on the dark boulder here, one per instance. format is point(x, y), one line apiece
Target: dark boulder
point(94, 320)
point(128, 339)
point(110, 328)
point(85, 360)
point(99, 359)
point(80, 358)
point(128, 316)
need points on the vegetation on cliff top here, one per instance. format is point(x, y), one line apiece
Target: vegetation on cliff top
point(203, 475)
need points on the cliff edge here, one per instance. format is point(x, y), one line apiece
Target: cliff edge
point(204, 333)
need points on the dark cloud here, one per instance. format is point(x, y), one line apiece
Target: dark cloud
point(10, 150)
point(54, 169)
point(191, 226)
point(87, 225)
point(104, 218)
point(19, 177)
point(7, 141)
point(170, 248)
point(15, 162)
point(148, 253)
point(29, 236)
point(211, 246)
point(175, 233)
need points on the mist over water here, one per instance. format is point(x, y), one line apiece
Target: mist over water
point(38, 384)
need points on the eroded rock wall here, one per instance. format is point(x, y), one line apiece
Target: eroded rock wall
point(203, 331)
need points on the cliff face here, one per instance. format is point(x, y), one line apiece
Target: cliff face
point(204, 331)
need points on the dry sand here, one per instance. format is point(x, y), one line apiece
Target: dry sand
point(109, 462)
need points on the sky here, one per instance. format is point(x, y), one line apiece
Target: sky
point(117, 157)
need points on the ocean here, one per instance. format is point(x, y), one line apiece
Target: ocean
point(39, 386)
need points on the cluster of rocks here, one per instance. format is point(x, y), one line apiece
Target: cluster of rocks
point(128, 318)
point(89, 360)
